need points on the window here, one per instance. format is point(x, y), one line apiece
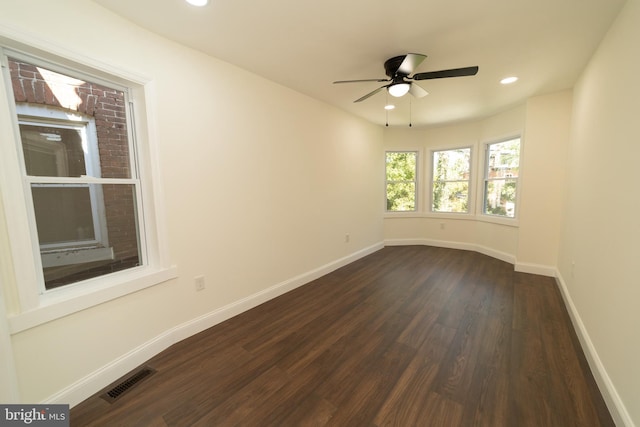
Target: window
point(501, 177)
point(81, 184)
point(401, 180)
point(450, 181)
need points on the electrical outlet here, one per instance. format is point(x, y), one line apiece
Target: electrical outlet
point(573, 269)
point(199, 281)
point(442, 226)
point(346, 238)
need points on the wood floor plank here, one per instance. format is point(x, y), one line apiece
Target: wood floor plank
point(312, 412)
point(243, 402)
point(407, 336)
point(439, 411)
point(458, 366)
point(487, 400)
point(371, 388)
point(339, 386)
point(410, 393)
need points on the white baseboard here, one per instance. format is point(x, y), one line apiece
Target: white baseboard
point(611, 397)
point(542, 270)
point(503, 256)
point(97, 380)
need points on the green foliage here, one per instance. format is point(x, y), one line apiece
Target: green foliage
point(450, 180)
point(401, 197)
point(401, 176)
point(500, 195)
point(503, 168)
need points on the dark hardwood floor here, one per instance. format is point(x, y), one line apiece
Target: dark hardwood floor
point(408, 336)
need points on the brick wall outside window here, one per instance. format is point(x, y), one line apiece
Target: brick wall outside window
point(107, 107)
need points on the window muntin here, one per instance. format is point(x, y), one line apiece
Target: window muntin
point(83, 195)
point(502, 169)
point(451, 180)
point(401, 180)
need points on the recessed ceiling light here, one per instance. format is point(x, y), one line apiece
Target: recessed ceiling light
point(198, 3)
point(509, 80)
point(389, 107)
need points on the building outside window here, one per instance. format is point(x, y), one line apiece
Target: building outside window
point(451, 180)
point(401, 180)
point(502, 169)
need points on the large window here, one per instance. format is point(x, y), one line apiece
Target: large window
point(401, 180)
point(81, 185)
point(501, 178)
point(450, 180)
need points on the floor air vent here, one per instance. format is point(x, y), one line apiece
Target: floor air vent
point(135, 378)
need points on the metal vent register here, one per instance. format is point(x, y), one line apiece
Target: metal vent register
point(127, 384)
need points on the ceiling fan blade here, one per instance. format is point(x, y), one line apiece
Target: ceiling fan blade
point(417, 91)
point(360, 81)
point(410, 63)
point(455, 72)
point(370, 94)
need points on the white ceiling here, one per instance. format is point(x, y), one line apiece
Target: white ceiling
point(306, 45)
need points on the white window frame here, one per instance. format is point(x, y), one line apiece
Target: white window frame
point(470, 195)
point(504, 219)
point(41, 115)
point(417, 180)
point(32, 306)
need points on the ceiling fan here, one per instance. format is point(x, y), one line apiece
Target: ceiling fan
point(398, 69)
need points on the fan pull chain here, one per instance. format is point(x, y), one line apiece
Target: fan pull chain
point(409, 112)
point(386, 110)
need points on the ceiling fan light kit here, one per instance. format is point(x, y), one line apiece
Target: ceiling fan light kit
point(398, 70)
point(399, 89)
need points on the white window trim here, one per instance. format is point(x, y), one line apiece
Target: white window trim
point(471, 195)
point(32, 308)
point(418, 204)
point(42, 115)
point(499, 219)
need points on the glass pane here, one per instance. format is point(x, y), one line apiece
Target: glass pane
point(63, 214)
point(450, 197)
point(504, 159)
point(500, 197)
point(401, 196)
point(85, 231)
point(53, 151)
point(451, 165)
point(69, 126)
point(401, 166)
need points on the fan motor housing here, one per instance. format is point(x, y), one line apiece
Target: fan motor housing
point(391, 66)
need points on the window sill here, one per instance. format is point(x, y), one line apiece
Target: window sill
point(68, 300)
point(75, 256)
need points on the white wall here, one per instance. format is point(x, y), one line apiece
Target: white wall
point(545, 157)
point(260, 183)
point(600, 245)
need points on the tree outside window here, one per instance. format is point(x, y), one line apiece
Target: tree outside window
point(502, 169)
point(401, 180)
point(451, 177)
